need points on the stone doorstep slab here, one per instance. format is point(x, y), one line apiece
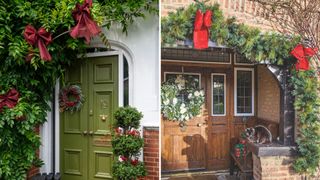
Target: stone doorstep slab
point(197, 175)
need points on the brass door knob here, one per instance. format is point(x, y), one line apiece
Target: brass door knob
point(103, 117)
point(84, 133)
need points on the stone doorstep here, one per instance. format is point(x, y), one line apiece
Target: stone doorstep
point(214, 175)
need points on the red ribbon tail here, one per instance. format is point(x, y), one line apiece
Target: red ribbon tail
point(92, 26)
point(302, 64)
point(198, 22)
point(44, 54)
point(207, 19)
point(85, 28)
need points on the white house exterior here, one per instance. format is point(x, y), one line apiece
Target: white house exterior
point(141, 49)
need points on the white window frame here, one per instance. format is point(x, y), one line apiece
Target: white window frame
point(235, 91)
point(225, 92)
point(183, 73)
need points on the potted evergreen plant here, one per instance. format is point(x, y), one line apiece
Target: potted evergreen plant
point(127, 143)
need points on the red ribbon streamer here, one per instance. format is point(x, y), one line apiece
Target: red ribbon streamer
point(301, 54)
point(10, 99)
point(202, 24)
point(85, 27)
point(40, 39)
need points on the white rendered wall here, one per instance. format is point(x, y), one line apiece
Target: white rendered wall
point(143, 42)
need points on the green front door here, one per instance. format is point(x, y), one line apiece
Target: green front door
point(85, 136)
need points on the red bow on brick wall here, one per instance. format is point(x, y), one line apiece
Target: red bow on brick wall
point(302, 54)
point(10, 99)
point(202, 24)
point(40, 39)
point(85, 27)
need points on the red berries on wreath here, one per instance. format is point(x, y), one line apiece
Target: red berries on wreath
point(71, 98)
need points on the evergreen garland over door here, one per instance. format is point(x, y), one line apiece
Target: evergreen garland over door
point(86, 152)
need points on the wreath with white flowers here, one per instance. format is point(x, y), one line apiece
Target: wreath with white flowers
point(179, 104)
point(70, 98)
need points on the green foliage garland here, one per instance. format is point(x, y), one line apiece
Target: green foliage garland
point(35, 80)
point(268, 47)
point(307, 104)
point(251, 42)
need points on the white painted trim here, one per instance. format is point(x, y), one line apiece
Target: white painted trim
point(197, 62)
point(235, 91)
point(57, 127)
point(225, 93)
point(183, 73)
point(101, 54)
point(120, 79)
point(46, 146)
point(241, 64)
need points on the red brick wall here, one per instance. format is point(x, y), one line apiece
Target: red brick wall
point(277, 168)
point(268, 95)
point(151, 152)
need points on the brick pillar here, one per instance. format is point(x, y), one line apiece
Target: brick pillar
point(277, 168)
point(151, 152)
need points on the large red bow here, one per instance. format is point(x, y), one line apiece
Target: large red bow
point(40, 39)
point(10, 99)
point(202, 24)
point(302, 53)
point(85, 27)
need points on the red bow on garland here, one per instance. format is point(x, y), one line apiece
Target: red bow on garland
point(85, 27)
point(40, 39)
point(202, 24)
point(302, 53)
point(10, 99)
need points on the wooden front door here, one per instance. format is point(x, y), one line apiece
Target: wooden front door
point(218, 124)
point(86, 152)
point(204, 145)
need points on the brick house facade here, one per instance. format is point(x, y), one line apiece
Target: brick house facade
point(276, 167)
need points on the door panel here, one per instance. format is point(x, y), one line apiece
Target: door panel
point(184, 150)
point(103, 100)
point(89, 156)
point(74, 146)
point(218, 147)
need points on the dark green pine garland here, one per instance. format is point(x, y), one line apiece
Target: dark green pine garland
point(268, 47)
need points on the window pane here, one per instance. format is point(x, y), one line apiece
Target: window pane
point(125, 82)
point(244, 91)
point(189, 80)
point(218, 95)
point(184, 81)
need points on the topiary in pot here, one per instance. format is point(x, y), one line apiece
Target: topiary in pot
point(127, 144)
point(128, 170)
point(127, 118)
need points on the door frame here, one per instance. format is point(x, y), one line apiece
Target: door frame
point(47, 130)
